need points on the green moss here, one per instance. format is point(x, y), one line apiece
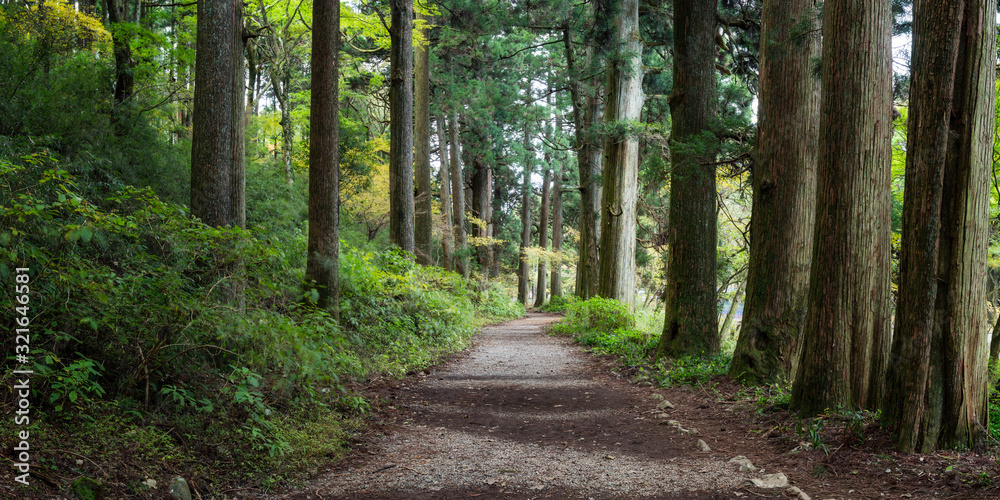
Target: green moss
point(86, 488)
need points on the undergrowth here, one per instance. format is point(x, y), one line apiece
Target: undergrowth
point(610, 327)
point(163, 347)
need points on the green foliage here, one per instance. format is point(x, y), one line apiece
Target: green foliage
point(496, 302)
point(632, 345)
point(72, 383)
point(994, 410)
point(131, 310)
point(771, 397)
point(558, 304)
point(606, 325)
point(598, 315)
point(811, 432)
point(689, 370)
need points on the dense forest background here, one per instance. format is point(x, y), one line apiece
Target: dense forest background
point(231, 214)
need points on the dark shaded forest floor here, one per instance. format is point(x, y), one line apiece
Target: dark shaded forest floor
point(527, 415)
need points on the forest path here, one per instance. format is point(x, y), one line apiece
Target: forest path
point(526, 415)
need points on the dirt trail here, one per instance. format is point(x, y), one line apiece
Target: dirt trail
point(526, 415)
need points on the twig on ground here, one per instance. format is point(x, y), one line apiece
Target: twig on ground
point(88, 459)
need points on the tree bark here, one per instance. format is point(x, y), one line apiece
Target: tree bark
point(401, 204)
point(557, 222)
point(938, 375)
point(447, 242)
point(253, 80)
point(217, 154)
point(481, 187)
point(523, 270)
point(237, 164)
point(213, 127)
point(324, 159)
point(616, 275)
point(784, 197)
point(287, 132)
point(691, 322)
point(995, 345)
point(543, 235)
point(124, 65)
point(589, 157)
point(845, 341)
point(423, 225)
point(731, 313)
point(458, 193)
point(586, 110)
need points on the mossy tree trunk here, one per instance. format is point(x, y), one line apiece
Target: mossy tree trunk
point(586, 109)
point(691, 322)
point(784, 196)
point(938, 376)
point(616, 274)
point(324, 159)
point(845, 340)
point(401, 204)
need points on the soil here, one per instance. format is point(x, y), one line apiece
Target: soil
point(523, 414)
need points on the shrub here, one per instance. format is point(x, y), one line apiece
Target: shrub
point(133, 313)
point(557, 304)
point(596, 315)
point(496, 303)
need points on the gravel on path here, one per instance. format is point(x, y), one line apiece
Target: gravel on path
point(526, 415)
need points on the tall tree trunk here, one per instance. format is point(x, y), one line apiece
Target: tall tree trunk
point(845, 341)
point(237, 165)
point(995, 344)
point(543, 235)
point(691, 323)
point(784, 197)
point(481, 187)
point(589, 158)
point(731, 313)
point(616, 273)
point(401, 125)
point(217, 160)
point(467, 182)
point(124, 64)
point(447, 243)
point(324, 159)
point(586, 110)
point(422, 226)
point(253, 80)
point(287, 132)
point(557, 216)
point(213, 128)
point(523, 270)
point(494, 265)
point(939, 383)
point(458, 193)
